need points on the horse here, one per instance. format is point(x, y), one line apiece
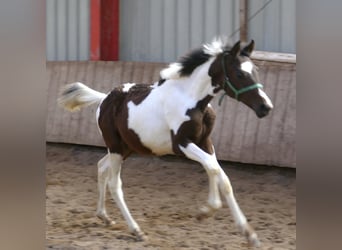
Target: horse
point(173, 116)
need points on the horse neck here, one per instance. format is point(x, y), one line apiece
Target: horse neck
point(198, 84)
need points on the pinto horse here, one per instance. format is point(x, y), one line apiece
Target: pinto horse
point(173, 116)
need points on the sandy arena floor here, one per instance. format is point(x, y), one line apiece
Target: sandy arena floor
point(164, 195)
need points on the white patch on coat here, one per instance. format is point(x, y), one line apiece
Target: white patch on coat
point(266, 98)
point(154, 118)
point(97, 114)
point(171, 72)
point(214, 48)
point(209, 162)
point(193, 152)
point(127, 86)
point(97, 117)
point(247, 67)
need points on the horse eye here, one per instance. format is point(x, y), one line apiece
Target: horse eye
point(239, 74)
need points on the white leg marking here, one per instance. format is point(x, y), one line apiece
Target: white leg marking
point(115, 187)
point(227, 191)
point(220, 180)
point(210, 164)
point(193, 152)
point(103, 175)
point(239, 217)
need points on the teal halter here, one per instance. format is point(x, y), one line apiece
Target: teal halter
point(237, 92)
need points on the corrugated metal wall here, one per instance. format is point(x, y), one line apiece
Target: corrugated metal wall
point(67, 30)
point(274, 28)
point(163, 30)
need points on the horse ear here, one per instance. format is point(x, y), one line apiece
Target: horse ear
point(248, 49)
point(236, 49)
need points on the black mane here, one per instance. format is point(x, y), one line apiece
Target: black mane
point(192, 60)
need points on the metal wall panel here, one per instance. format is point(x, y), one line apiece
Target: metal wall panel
point(67, 30)
point(163, 30)
point(274, 28)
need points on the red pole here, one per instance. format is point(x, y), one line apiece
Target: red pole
point(104, 30)
point(110, 30)
point(95, 29)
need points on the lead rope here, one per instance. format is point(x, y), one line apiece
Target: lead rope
point(221, 99)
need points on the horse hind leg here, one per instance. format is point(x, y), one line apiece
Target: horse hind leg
point(115, 187)
point(102, 180)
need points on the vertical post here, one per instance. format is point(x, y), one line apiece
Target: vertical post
point(95, 29)
point(104, 30)
point(110, 30)
point(243, 20)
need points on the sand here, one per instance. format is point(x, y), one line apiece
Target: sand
point(164, 196)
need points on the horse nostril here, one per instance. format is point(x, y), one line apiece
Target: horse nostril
point(263, 110)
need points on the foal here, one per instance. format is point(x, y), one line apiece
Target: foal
point(173, 116)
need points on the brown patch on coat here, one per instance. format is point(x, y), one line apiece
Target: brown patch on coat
point(197, 130)
point(216, 73)
point(113, 120)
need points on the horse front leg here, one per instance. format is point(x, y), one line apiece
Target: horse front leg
point(193, 152)
point(239, 218)
point(218, 180)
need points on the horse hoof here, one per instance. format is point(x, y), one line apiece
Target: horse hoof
point(205, 212)
point(201, 216)
point(139, 235)
point(110, 223)
point(105, 219)
point(251, 236)
point(253, 241)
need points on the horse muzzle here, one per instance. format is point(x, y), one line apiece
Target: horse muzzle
point(263, 110)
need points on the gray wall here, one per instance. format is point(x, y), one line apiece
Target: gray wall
point(67, 30)
point(163, 30)
point(274, 29)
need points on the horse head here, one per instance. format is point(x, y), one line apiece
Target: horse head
point(234, 72)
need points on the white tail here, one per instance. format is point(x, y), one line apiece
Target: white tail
point(76, 95)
